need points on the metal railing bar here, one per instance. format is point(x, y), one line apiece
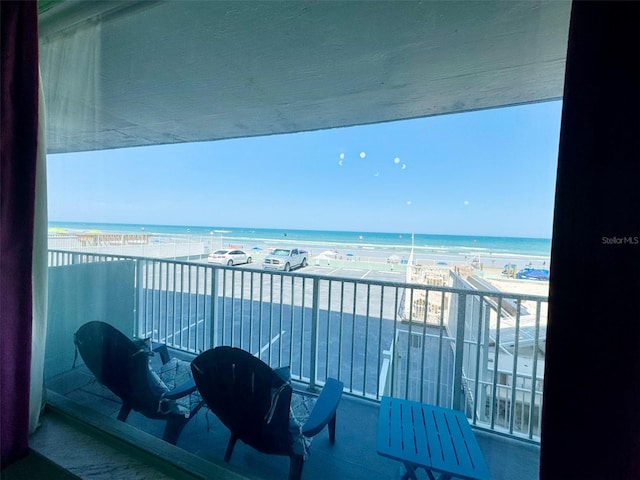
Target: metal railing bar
point(326, 360)
point(341, 326)
point(136, 292)
point(476, 387)
point(303, 289)
point(534, 371)
point(213, 333)
point(144, 294)
point(440, 351)
point(271, 302)
point(205, 289)
point(291, 325)
point(313, 344)
point(154, 294)
point(495, 365)
point(423, 346)
point(197, 312)
point(409, 340)
point(379, 351)
point(181, 315)
point(366, 339)
point(189, 311)
point(166, 301)
point(353, 334)
point(459, 351)
point(225, 287)
point(251, 310)
point(280, 320)
point(514, 373)
point(394, 336)
point(174, 305)
point(233, 306)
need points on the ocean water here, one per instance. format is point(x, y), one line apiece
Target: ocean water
point(453, 247)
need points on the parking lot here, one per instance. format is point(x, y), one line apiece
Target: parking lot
point(341, 269)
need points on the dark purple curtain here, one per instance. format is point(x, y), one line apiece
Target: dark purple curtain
point(591, 409)
point(18, 145)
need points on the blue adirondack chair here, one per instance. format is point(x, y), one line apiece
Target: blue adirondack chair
point(122, 365)
point(259, 406)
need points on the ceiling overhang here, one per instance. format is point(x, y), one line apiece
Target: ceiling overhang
point(121, 74)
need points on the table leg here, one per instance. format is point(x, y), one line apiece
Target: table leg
point(443, 476)
point(410, 473)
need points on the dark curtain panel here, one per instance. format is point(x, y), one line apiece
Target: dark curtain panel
point(591, 409)
point(18, 145)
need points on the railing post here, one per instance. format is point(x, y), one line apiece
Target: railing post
point(315, 313)
point(213, 331)
point(457, 368)
point(480, 410)
point(136, 304)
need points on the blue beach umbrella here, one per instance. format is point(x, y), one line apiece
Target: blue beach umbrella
point(256, 248)
point(349, 255)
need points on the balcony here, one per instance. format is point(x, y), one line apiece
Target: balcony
point(428, 336)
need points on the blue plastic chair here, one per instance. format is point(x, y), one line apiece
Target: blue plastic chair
point(259, 406)
point(122, 365)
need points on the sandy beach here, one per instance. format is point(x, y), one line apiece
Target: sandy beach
point(195, 248)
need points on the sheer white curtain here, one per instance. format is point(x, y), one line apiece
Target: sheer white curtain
point(39, 273)
point(68, 90)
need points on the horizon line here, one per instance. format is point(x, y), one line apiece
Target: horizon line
point(213, 227)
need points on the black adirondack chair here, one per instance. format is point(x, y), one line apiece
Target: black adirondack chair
point(259, 406)
point(122, 365)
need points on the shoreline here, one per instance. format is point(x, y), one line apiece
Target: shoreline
point(428, 242)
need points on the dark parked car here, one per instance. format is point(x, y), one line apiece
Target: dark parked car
point(530, 273)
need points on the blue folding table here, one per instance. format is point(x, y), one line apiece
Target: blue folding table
point(437, 439)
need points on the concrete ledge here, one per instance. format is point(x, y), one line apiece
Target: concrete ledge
point(90, 445)
point(35, 466)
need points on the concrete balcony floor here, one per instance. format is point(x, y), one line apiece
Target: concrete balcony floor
point(353, 456)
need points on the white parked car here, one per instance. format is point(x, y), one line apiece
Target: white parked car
point(229, 257)
point(285, 259)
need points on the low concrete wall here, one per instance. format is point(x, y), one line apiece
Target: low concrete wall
point(81, 293)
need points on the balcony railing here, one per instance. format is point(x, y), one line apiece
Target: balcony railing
point(480, 351)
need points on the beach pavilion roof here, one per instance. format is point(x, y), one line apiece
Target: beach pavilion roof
point(120, 74)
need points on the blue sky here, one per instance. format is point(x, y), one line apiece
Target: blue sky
point(489, 172)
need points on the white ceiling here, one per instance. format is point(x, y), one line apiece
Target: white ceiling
point(146, 73)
